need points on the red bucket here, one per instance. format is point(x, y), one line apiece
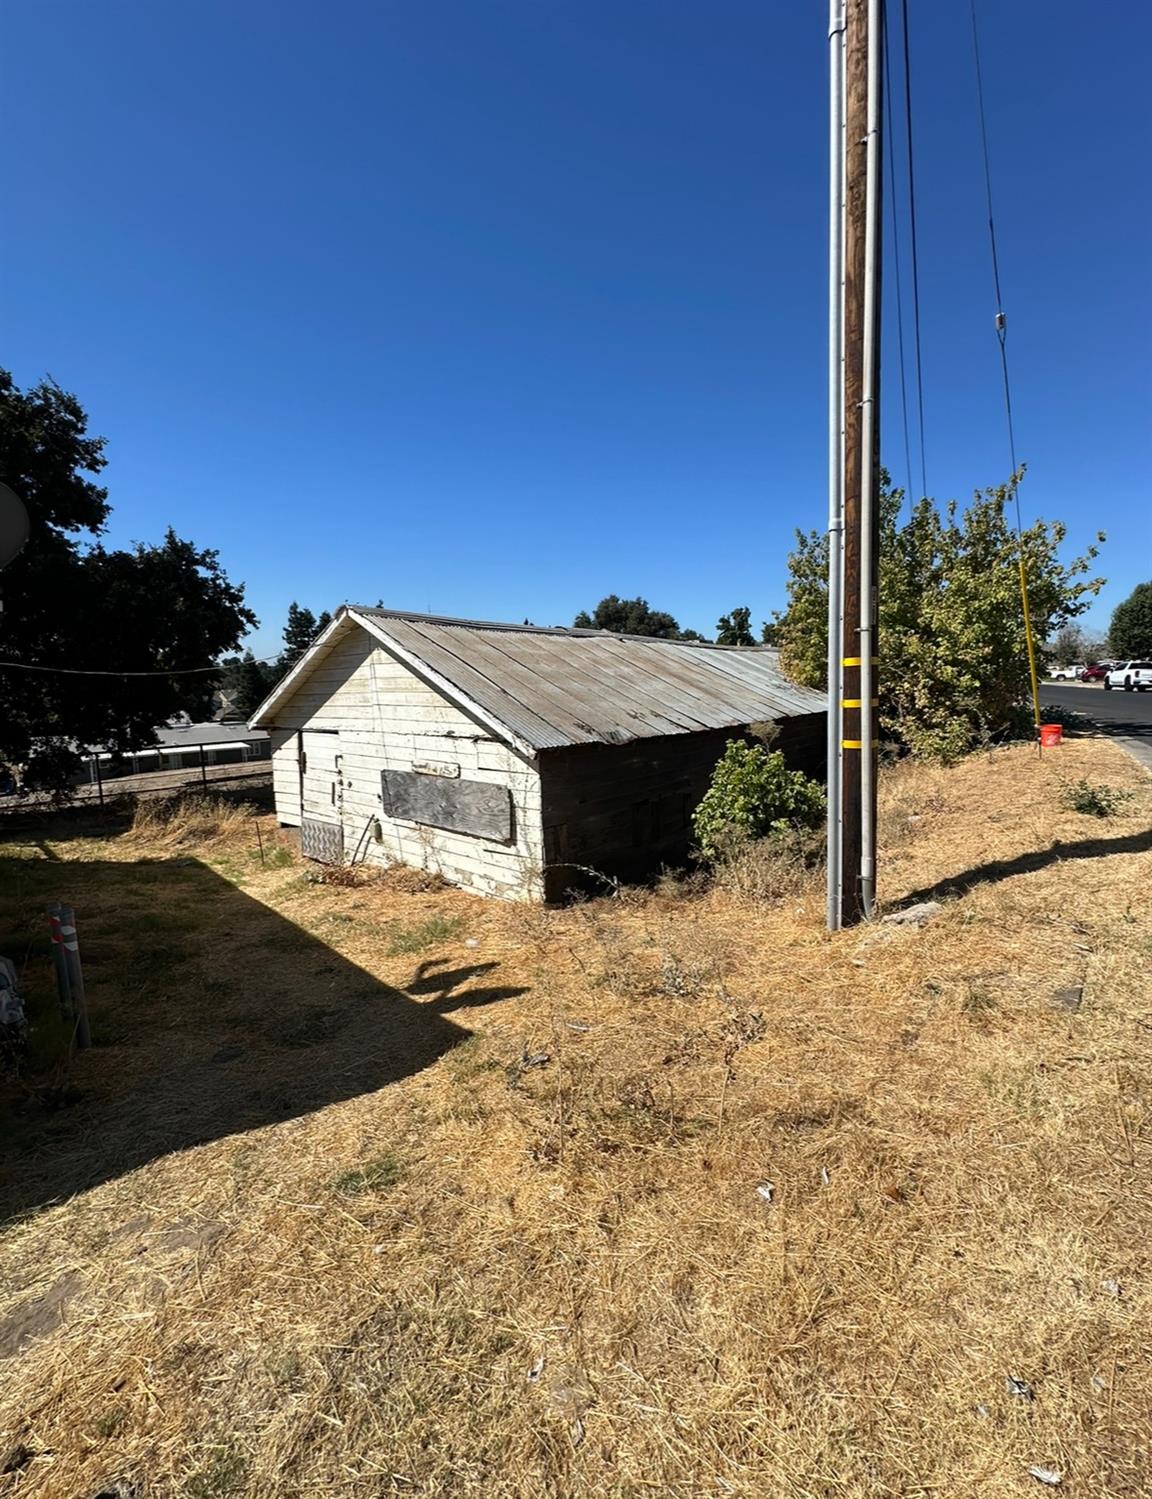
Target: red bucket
point(1051, 734)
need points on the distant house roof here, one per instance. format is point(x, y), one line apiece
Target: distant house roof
point(189, 735)
point(547, 688)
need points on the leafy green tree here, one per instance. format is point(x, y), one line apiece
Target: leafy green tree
point(1068, 646)
point(953, 658)
point(1130, 634)
point(69, 601)
point(629, 617)
point(770, 632)
point(735, 628)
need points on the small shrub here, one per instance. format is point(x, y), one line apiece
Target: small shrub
point(407, 939)
point(681, 980)
point(754, 793)
point(1094, 799)
point(374, 1176)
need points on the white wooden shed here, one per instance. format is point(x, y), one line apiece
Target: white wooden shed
point(512, 759)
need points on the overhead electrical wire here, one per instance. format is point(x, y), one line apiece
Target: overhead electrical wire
point(75, 671)
point(899, 279)
point(1002, 340)
point(915, 247)
point(1001, 320)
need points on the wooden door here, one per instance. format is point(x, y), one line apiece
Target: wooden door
point(321, 797)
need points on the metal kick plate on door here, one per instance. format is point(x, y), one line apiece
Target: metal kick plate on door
point(323, 841)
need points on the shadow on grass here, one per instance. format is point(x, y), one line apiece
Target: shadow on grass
point(211, 1014)
point(1029, 863)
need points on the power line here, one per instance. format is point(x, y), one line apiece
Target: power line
point(1001, 320)
point(71, 671)
point(899, 278)
point(915, 245)
point(1002, 340)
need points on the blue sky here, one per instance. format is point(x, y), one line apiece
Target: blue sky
point(492, 307)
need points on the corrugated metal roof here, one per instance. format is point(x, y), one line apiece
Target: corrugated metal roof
point(554, 687)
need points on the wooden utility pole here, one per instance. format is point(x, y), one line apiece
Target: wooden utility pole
point(861, 322)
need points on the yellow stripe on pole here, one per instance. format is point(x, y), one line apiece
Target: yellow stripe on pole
point(859, 661)
point(859, 744)
point(855, 702)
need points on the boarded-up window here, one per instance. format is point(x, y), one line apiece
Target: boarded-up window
point(475, 807)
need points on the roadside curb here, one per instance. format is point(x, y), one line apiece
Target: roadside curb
point(1139, 749)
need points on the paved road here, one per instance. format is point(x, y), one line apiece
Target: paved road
point(1126, 715)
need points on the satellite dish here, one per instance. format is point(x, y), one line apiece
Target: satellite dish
point(13, 525)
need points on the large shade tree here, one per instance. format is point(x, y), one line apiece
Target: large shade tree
point(632, 617)
point(735, 628)
point(140, 627)
point(953, 655)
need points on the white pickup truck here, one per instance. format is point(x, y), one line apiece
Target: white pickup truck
point(1133, 676)
point(1068, 673)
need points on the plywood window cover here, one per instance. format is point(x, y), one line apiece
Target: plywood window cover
point(479, 809)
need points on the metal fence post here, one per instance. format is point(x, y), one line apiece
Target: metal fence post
point(60, 962)
point(71, 944)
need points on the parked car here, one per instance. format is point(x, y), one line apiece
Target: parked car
point(1095, 673)
point(1133, 676)
point(1067, 673)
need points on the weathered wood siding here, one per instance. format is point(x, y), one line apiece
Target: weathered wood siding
point(286, 776)
point(388, 718)
point(625, 810)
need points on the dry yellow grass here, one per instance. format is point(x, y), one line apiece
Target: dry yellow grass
point(371, 1192)
point(188, 818)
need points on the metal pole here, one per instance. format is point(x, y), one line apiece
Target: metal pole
point(60, 963)
point(855, 236)
point(203, 767)
point(71, 945)
point(835, 447)
point(99, 778)
point(869, 442)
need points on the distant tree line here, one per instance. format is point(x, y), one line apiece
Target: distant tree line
point(637, 617)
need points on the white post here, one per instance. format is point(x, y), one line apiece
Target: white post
point(836, 24)
point(868, 473)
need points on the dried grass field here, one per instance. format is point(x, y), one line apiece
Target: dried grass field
point(386, 1190)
